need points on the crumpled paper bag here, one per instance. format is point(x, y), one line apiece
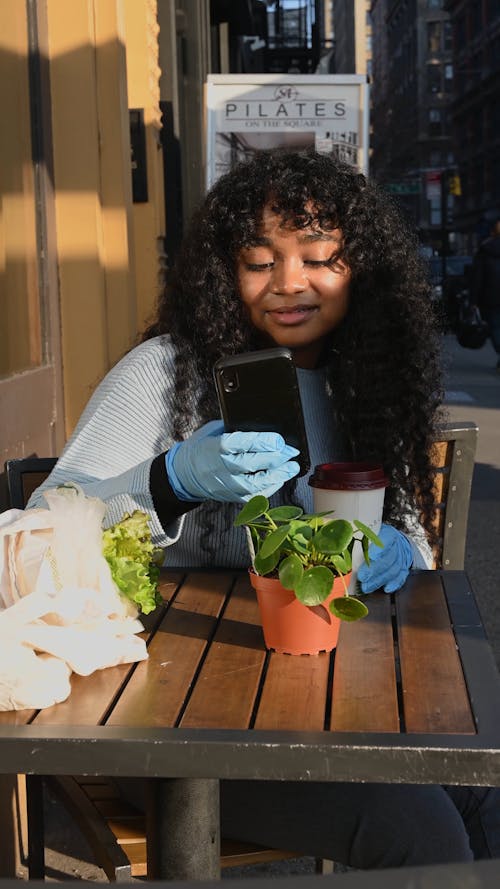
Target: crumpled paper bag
point(60, 610)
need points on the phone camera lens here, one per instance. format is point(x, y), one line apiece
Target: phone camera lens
point(230, 381)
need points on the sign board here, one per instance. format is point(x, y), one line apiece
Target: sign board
point(248, 112)
point(433, 185)
point(410, 186)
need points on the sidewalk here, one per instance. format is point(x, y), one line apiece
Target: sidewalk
point(472, 393)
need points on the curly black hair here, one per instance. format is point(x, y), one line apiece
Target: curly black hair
point(384, 363)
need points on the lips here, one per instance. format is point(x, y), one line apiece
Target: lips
point(289, 315)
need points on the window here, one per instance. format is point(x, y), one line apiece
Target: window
point(447, 37)
point(448, 78)
point(435, 122)
point(434, 4)
point(434, 37)
point(434, 79)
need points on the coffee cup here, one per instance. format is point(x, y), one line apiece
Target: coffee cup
point(351, 491)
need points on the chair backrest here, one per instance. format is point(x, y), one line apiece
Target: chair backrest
point(24, 475)
point(453, 458)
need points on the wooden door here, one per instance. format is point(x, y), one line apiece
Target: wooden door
point(31, 415)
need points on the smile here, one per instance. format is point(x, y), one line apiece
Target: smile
point(290, 315)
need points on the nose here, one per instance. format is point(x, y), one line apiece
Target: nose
point(288, 277)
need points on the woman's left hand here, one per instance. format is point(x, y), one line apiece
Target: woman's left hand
point(388, 566)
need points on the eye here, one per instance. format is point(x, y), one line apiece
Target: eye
point(258, 266)
point(317, 262)
point(332, 262)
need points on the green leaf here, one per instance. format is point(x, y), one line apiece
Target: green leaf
point(299, 528)
point(370, 533)
point(365, 543)
point(315, 585)
point(317, 515)
point(285, 513)
point(255, 507)
point(340, 564)
point(348, 608)
point(291, 571)
point(334, 537)
point(300, 544)
point(134, 560)
point(346, 555)
point(266, 566)
point(274, 541)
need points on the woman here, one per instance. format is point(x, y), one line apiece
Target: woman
point(298, 250)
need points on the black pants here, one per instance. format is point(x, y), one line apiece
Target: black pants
point(360, 825)
point(365, 825)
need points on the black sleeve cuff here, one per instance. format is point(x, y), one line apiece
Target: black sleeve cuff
point(168, 507)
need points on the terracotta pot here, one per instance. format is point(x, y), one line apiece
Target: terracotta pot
point(291, 627)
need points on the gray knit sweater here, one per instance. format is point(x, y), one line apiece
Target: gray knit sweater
point(117, 451)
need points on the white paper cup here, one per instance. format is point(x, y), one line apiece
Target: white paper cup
point(351, 491)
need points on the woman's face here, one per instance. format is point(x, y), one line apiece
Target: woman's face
point(294, 296)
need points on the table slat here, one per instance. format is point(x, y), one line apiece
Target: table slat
point(435, 696)
point(92, 695)
point(295, 692)
point(155, 694)
point(16, 717)
point(224, 697)
point(364, 680)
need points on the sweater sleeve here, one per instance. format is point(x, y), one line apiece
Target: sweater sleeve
point(117, 449)
point(422, 553)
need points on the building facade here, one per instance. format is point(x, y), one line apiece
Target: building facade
point(475, 114)
point(353, 36)
point(411, 96)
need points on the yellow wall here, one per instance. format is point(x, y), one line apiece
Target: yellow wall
point(20, 343)
point(106, 251)
point(109, 249)
point(92, 192)
point(143, 78)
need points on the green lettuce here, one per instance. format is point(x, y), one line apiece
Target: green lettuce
point(134, 560)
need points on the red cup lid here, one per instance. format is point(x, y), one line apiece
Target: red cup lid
point(349, 476)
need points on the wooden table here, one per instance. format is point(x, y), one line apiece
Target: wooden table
point(412, 694)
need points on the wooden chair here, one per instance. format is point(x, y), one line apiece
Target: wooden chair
point(24, 476)
point(453, 457)
point(114, 829)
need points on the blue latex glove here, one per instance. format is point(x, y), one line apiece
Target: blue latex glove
point(389, 566)
point(230, 467)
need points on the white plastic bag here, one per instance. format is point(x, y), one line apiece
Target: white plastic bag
point(60, 610)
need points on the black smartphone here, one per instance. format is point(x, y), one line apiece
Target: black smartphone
point(259, 392)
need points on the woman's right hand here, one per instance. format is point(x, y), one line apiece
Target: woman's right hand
point(229, 466)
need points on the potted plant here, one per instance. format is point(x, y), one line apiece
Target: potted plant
point(301, 568)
